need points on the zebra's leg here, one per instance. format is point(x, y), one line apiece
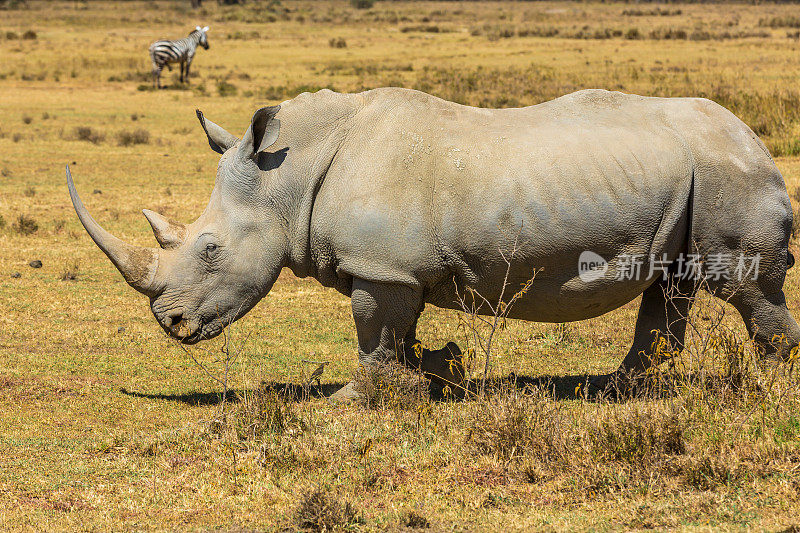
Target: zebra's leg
point(156, 76)
point(181, 75)
point(188, 64)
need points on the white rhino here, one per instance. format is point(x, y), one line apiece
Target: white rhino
point(396, 199)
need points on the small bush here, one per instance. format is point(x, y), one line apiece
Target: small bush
point(71, 274)
point(362, 4)
point(264, 411)
point(17, 137)
point(225, 88)
point(421, 28)
point(633, 33)
point(637, 433)
point(392, 386)
point(415, 520)
point(780, 22)
point(29, 35)
point(128, 138)
point(10, 35)
point(512, 424)
point(25, 225)
point(89, 134)
point(27, 119)
point(337, 43)
point(29, 192)
point(321, 511)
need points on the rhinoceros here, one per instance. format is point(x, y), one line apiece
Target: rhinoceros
point(398, 199)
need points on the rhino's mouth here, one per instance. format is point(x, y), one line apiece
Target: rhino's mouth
point(206, 330)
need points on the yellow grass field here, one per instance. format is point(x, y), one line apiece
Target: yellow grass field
point(105, 424)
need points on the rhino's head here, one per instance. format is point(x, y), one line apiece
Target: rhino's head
point(208, 273)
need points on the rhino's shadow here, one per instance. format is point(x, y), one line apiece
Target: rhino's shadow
point(291, 391)
point(561, 388)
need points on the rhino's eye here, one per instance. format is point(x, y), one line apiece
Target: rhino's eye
point(211, 249)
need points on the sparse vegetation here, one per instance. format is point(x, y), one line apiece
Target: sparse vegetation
point(25, 225)
point(132, 137)
point(89, 134)
point(225, 88)
point(320, 511)
point(362, 4)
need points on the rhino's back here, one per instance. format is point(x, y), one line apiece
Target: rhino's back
point(424, 190)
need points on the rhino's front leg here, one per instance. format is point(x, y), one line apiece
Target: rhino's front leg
point(386, 317)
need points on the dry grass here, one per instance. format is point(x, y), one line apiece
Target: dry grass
point(107, 425)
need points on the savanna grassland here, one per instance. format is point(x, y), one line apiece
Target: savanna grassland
point(105, 424)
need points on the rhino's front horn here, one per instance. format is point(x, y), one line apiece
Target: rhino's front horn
point(169, 233)
point(137, 265)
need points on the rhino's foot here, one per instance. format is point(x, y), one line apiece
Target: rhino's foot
point(445, 367)
point(348, 393)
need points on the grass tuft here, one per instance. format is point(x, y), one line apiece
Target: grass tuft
point(25, 225)
point(89, 134)
point(392, 386)
point(131, 137)
point(225, 88)
point(320, 510)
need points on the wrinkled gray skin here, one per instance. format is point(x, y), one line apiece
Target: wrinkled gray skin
point(397, 198)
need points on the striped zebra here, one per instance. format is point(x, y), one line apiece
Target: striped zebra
point(162, 53)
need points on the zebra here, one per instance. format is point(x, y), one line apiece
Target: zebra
point(162, 53)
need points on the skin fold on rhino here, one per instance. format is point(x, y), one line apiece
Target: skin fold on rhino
point(397, 198)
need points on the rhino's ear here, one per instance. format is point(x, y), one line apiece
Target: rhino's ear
point(262, 133)
point(218, 139)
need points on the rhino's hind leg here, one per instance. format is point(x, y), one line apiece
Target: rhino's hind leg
point(660, 330)
point(770, 324)
point(386, 318)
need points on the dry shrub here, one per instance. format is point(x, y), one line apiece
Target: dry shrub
point(637, 433)
point(131, 137)
point(392, 386)
point(710, 470)
point(29, 35)
point(225, 88)
point(337, 42)
point(415, 520)
point(787, 21)
point(70, 274)
point(513, 423)
point(29, 192)
point(89, 134)
point(27, 119)
point(320, 510)
point(25, 225)
point(264, 411)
